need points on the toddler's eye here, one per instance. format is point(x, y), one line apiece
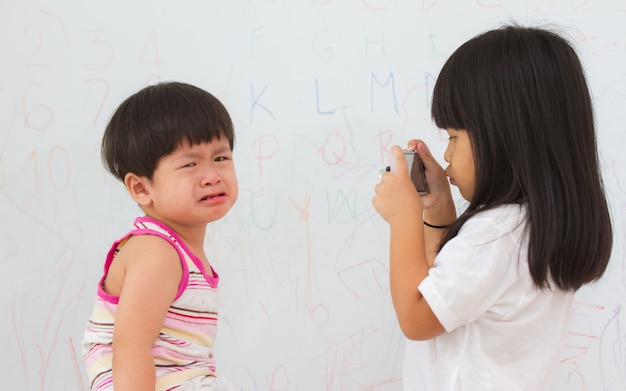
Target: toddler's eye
point(220, 158)
point(190, 165)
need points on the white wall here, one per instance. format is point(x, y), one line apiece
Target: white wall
point(318, 91)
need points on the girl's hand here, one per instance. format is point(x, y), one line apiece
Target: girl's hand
point(395, 194)
point(397, 201)
point(438, 201)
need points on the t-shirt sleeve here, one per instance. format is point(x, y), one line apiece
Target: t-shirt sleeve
point(472, 271)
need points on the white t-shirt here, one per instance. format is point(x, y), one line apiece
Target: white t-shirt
point(502, 333)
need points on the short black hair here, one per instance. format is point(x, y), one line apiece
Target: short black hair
point(156, 120)
point(522, 96)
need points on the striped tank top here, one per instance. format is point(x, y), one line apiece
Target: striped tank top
point(184, 348)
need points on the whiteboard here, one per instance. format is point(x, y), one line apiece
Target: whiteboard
point(319, 90)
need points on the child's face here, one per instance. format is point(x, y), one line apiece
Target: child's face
point(460, 156)
point(194, 185)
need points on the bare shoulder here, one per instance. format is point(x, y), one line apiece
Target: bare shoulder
point(146, 275)
point(145, 258)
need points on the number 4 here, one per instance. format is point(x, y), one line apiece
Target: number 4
point(150, 51)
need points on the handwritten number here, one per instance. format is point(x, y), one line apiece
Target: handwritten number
point(97, 42)
point(56, 154)
point(30, 60)
point(102, 101)
point(151, 46)
point(38, 117)
point(64, 158)
point(152, 79)
point(33, 157)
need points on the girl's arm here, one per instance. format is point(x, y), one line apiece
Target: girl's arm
point(399, 204)
point(151, 274)
point(439, 206)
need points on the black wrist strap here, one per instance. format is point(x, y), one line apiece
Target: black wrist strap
point(436, 226)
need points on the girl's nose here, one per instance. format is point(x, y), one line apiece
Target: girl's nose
point(446, 154)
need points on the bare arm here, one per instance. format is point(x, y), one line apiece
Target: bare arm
point(439, 206)
point(399, 204)
point(150, 279)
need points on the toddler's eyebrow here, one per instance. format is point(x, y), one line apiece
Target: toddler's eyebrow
point(191, 154)
point(223, 149)
point(187, 155)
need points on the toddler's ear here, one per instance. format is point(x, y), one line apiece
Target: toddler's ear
point(139, 189)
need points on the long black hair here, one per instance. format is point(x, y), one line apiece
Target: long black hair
point(522, 96)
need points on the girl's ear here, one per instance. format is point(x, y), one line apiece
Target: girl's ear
point(139, 188)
